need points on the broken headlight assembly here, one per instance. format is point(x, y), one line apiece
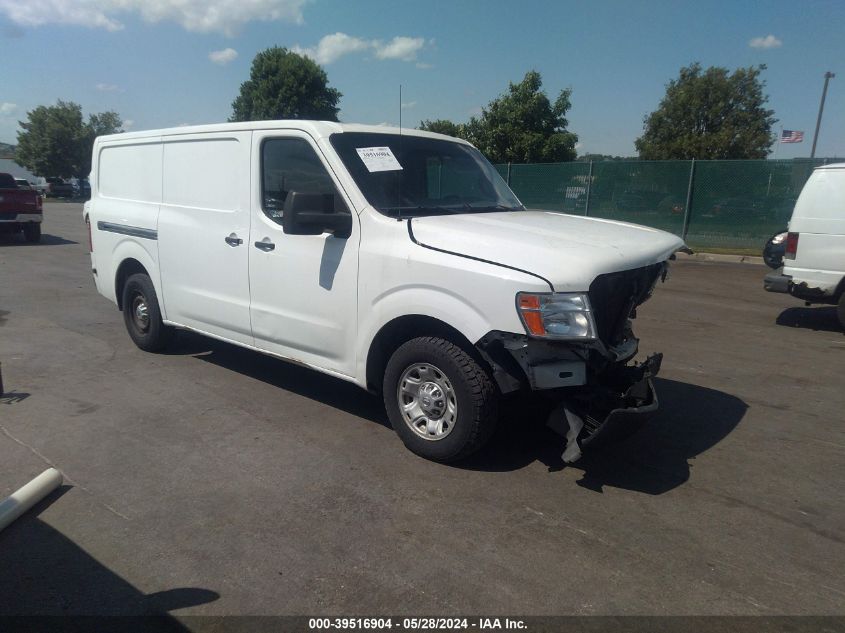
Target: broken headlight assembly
point(557, 315)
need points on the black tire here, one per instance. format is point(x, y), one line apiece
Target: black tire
point(840, 310)
point(32, 232)
point(139, 298)
point(474, 391)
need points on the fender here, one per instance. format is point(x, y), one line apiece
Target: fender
point(415, 299)
point(147, 255)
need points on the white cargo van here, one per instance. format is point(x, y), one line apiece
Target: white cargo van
point(814, 260)
point(397, 260)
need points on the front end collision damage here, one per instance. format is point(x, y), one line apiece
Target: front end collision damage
point(600, 397)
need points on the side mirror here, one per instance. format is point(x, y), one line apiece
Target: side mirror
point(313, 214)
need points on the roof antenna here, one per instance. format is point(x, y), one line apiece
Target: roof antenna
point(399, 174)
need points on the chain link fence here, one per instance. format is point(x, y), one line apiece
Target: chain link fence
point(719, 204)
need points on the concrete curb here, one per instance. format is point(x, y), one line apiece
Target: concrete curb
point(719, 257)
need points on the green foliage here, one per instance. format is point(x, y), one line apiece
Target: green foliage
point(521, 126)
point(441, 126)
point(586, 158)
point(56, 141)
point(710, 114)
point(285, 85)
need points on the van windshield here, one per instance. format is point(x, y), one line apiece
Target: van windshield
point(407, 176)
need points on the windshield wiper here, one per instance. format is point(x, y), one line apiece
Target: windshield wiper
point(421, 209)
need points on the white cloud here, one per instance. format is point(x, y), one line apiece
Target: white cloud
point(203, 16)
point(770, 41)
point(108, 88)
point(400, 47)
point(332, 47)
point(8, 108)
point(223, 57)
point(128, 123)
point(407, 105)
point(423, 65)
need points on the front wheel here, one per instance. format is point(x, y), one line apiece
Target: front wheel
point(440, 401)
point(142, 315)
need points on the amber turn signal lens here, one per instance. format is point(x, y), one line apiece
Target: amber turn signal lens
point(529, 302)
point(534, 323)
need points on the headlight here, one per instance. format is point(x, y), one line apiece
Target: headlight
point(559, 315)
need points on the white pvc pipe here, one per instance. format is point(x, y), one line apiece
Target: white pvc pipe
point(24, 498)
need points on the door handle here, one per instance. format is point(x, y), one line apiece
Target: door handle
point(233, 240)
point(265, 245)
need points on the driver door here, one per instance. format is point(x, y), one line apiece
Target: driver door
point(303, 288)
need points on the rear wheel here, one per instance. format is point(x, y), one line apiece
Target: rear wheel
point(32, 232)
point(440, 401)
point(142, 315)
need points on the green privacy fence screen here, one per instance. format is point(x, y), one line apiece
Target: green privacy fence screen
point(724, 204)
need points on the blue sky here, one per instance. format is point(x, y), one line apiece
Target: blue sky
point(151, 60)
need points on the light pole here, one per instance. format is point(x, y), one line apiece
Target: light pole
point(827, 77)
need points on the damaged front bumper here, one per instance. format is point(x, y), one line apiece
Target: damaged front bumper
point(610, 411)
point(600, 397)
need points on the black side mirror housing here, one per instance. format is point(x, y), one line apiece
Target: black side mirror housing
point(314, 214)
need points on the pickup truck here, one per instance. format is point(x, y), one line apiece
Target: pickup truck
point(61, 188)
point(20, 209)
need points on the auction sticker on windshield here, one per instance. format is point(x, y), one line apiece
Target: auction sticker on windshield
point(378, 158)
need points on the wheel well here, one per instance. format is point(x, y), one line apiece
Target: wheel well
point(403, 329)
point(127, 268)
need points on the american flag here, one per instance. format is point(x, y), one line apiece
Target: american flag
point(791, 136)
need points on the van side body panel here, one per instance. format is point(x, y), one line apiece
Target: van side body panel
point(205, 199)
point(819, 219)
point(126, 207)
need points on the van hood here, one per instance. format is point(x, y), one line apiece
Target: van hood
point(566, 250)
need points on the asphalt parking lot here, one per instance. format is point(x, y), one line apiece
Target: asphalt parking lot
point(213, 480)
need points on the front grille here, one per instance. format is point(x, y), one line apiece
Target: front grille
point(614, 296)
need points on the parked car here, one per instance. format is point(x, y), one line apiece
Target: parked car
point(84, 189)
point(671, 204)
point(631, 202)
point(814, 253)
point(401, 263)
point(61, 188)
point(20, 209)
point(733, 207)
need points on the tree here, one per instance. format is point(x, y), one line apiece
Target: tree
point(710, 114)
point(441, 126)
point(521, 126)
point(56, 141)
point(285, 85)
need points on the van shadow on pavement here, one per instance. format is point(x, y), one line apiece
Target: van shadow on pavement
point(44, 573)
point(655, 460)
point(817, 318)
point(297, 379)
point(16, 239)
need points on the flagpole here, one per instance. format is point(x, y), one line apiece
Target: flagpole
point(779, 141)
point(774, 158)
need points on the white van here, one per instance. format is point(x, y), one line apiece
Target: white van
point(395, 259)
point(814, 259)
